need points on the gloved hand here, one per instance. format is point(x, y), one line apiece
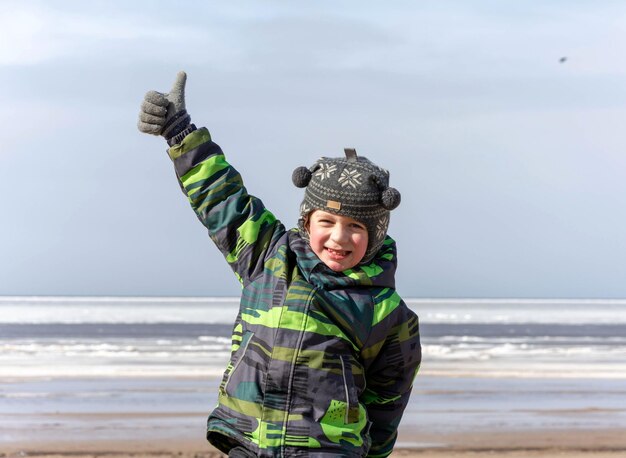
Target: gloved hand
point(165, 114)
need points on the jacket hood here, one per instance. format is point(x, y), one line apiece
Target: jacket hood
point(379, 272)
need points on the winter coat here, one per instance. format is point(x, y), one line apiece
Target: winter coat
point(322, 362)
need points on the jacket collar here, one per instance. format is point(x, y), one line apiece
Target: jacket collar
point(380, 272)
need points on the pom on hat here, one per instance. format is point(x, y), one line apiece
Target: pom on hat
point(390, 198)
point(301, 177)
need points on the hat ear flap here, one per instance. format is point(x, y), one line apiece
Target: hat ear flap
point(390, 198)
point(301, 177)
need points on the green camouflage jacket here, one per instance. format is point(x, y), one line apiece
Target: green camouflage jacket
point(322, 362)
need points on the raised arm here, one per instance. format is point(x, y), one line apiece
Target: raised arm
point(239, 224)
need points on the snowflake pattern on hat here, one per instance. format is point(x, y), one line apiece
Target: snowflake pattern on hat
point(325, 171)
point(381, 226)
point(350, 178)
point(305, 208)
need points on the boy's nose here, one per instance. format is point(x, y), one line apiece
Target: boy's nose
point(339, 234)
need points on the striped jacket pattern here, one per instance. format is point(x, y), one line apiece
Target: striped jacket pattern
point(322, 362)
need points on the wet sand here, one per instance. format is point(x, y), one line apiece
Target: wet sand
point(510, 444)
point(447, 417)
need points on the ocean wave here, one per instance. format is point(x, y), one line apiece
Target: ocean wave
point(76, 310)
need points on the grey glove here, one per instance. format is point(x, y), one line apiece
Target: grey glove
point(165, 114)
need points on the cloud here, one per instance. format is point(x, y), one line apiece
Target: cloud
point(32, 33)
point(22, 30)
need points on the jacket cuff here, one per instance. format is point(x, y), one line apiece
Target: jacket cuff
point(192, 150)
point(179, 137)
point(189, 142)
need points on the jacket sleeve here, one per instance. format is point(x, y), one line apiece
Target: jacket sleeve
point(392, 358)
point(239, 224)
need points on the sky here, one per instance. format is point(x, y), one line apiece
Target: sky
point(511, 163)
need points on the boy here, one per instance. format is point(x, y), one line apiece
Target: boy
point(324, 350)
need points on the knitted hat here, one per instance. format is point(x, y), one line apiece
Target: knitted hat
point(351, 186)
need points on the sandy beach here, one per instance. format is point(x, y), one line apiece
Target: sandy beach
point(448, 417)
point(143, 435)
point(572, 444)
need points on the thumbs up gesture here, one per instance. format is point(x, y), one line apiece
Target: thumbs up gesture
point(165, 114)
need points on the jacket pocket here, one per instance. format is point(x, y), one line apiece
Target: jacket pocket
point(234, 363)
point(352, 400)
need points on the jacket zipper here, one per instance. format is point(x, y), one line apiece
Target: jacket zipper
point(297, 349)
point(345, 386)
point(242, 352)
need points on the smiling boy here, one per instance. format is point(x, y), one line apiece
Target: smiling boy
point(324, 350)
point(339, 241)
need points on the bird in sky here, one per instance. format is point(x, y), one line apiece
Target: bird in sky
point(562, 59)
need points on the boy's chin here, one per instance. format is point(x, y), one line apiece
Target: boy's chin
point(339, 266)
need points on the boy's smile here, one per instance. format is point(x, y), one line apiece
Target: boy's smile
point(339, 241)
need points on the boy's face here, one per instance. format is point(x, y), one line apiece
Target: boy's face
point(339, 241)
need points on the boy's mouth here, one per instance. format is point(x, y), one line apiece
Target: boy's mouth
point(337, 254)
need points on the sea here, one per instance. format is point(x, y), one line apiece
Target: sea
point(505, 363)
